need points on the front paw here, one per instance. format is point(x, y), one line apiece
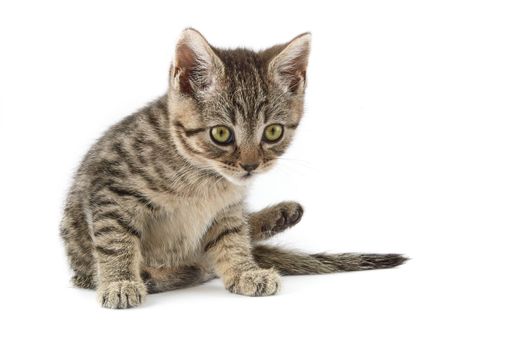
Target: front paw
point(285, 215)
point(121, 294)
point(258, 282)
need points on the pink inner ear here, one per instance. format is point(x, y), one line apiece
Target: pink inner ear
point(185, 56)
point(294, 71)
point(188, 70)
point(185, 59)
point(293, 78)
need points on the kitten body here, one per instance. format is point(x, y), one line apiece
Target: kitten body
point(158, 201)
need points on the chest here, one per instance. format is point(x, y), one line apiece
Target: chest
point(174, 236)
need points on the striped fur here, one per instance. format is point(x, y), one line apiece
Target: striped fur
point(157, 205)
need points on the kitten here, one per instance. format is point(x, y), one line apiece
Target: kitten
point(158, 202)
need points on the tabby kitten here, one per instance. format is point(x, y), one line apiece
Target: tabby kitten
point(158, 202)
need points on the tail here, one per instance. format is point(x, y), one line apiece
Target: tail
point(295, 263)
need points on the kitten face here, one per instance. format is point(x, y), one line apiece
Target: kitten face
point(235, 111)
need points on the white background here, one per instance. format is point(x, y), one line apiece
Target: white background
point(412, 142)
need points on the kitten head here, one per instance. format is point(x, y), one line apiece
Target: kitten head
point(236, 111)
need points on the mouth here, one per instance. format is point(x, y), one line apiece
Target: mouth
point(245, 178)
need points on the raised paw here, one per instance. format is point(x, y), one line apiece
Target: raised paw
point(256, 283)
point(275, 219)
point(287, 215)
point(121, 294)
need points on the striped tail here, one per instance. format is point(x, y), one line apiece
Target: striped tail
point(295, 263)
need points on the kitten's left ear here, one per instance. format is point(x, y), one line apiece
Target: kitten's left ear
point(288, 68)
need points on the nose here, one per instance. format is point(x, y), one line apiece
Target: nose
point(249, 166)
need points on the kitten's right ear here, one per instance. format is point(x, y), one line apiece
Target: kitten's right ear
point(195, 68)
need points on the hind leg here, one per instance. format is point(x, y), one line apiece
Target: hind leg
point(163, 279)
point(274, 219)
point(79, 247)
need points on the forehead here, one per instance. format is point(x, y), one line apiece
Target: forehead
point(245, 97)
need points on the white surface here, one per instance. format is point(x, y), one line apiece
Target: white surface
point(412, 142)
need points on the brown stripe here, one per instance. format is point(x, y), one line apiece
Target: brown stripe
point(138, 170)
point(107, 251)
point(259, 107)
point(116, 216)
point(106, 229)
point(189, 132)
point(221, 236)
point(139, 196)
point(185, 144)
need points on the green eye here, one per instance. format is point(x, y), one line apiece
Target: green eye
point(221, 135)
point(273, 132)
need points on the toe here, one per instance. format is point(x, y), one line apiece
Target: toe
point(121, 294)
point(281, 221)
point(296, 215)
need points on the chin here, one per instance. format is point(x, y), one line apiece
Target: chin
point(239, 180)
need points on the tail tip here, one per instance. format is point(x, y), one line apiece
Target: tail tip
point(382, 261)
point(401, 259)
